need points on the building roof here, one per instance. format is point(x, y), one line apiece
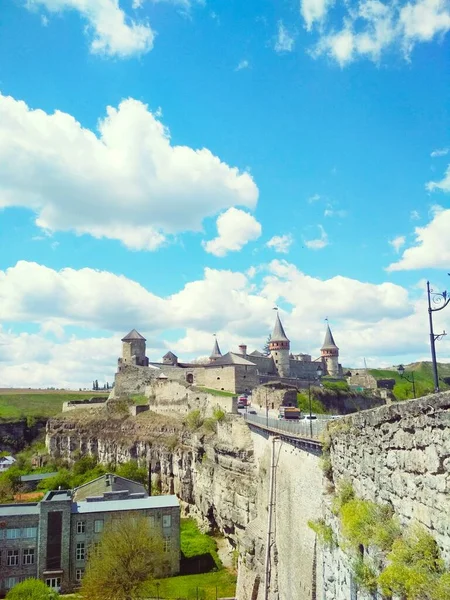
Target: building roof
point(258, 353)
point(127, 504)
point(133, 335)
point(107, 483)
point(17, 510)
point(231, 358)
point(170, 355)
point(278, 334)
point(36, 477)
point(216, 353)
point(7, 460)
point(329, 343)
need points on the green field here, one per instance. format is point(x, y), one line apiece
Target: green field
point(16, 404)
point(423, 378)
point(219, 584)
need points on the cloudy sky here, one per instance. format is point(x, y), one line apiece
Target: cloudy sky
point(183, 166)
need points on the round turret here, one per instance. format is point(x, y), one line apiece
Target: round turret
point(279, 346)
point(330, 354)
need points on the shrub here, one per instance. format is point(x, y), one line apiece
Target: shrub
point(219, 414)
point(31, 589)
point(365, 575)
point(324, 532)
point(194, 420)
point(131, 470)
point(210, 424)
point(326, 466)
point(368, 524)
point(344, 494)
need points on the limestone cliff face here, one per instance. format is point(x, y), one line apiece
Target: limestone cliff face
point(212, 474)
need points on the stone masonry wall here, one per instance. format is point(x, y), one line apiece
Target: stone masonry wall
point(397, 454)
point(167, 396)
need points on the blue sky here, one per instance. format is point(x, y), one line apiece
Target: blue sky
point(182, 166)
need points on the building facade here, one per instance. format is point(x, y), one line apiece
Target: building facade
point(51, 539)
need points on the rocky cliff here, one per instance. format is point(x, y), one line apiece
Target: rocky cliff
point(212, 474)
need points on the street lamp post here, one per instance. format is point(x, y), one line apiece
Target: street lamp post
point(401, 372)
point(440, 299)
point(319, 375)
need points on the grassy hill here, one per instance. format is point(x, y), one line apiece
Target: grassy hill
point(16, 404)
point(423, 377)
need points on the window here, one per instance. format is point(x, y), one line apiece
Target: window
point(12, 534)
point(80, 554)
point(28, 556)
point(13, 558)
point(167, 521)
point(167, 544)
point(30, 532)
point(10, 582)
point(80, 526)
point(79, 574)
point(54, 583)
point(98, 525)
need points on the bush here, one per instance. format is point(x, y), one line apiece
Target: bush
point(365, 575)
point(84, 464)
point(219, 414)
point(194, 420)
point(344, 494)
point(336, 386)
point(368, 524)
point(316, 405)
point(131, 470)
point(31, 589)
point(324, 532)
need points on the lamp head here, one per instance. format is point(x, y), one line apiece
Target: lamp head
point(401, 370)
point(319, 371)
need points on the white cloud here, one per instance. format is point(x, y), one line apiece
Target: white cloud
point(443, 185)
point(414, 215)
point(432, 245)
point(398, 242)
point(318, 243)
point(243, 64)
point(284, 42)
point(314, 198)
point(372, 27)
point(235, 229)
point(439, 152)
point(114, 32)
point(126, 182)
point(382, 321)
point(280, 243)
point(332, 212)
point(314, 11)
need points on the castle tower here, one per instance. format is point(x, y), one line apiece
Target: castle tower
point(279, 346)
point(133, 349)
point(330, 354)
point(216, 353)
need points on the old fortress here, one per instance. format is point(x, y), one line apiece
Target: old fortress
point(231, 372)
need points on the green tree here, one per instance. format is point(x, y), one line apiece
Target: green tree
point(31, 589)
point(131, 470)
point(127, 557)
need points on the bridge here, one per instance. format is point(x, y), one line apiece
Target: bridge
point(302, 434)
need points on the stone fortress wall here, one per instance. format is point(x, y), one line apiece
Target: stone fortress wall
point(167, 396)
point(397, 454)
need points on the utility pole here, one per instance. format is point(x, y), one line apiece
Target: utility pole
point(269, 520)
point(441, 299)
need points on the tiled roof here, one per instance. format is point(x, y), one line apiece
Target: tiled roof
point(329, 343)
point(278, 334)
point(230, 358)
point(216, 350)
point(133, 335)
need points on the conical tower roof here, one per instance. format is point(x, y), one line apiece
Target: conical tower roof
point(216, 353)
point(278, 334)
point(133, 335)
point(329, 343)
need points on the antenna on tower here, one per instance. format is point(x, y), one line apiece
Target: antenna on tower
point(365, 364)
